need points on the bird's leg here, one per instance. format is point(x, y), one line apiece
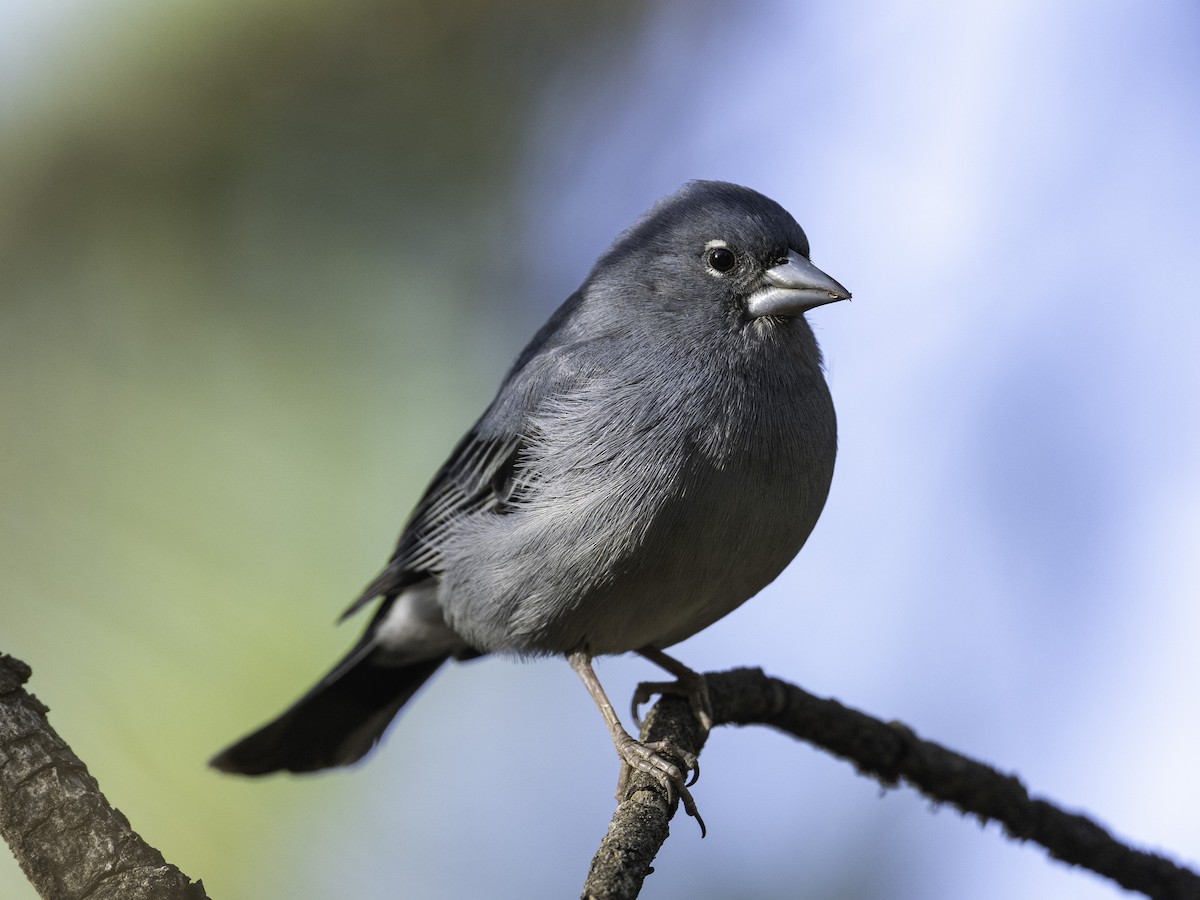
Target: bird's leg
point(688, 683)
point(644, 757)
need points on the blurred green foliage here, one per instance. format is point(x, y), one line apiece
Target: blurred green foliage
point(247, 257)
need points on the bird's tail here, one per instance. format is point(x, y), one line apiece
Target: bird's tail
point(335, 723)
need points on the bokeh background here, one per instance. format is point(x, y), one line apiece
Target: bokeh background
point(262, 262)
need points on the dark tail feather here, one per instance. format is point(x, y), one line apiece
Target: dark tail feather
point(335, 723)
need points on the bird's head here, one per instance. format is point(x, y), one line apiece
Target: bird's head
point(721, 246)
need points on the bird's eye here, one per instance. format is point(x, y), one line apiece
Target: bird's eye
point(721, 259)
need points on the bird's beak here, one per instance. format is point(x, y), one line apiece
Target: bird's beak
point(794, 288)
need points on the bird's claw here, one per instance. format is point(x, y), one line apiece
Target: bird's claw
point(647, 757)
point(696, 691)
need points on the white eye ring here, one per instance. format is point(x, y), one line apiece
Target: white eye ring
point(719, 258)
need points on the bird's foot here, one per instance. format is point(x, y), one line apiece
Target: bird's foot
point(691, 685)
point(647, 757)
point(635, 755)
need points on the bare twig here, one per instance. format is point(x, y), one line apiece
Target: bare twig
point(888, 752)
point(69, 842)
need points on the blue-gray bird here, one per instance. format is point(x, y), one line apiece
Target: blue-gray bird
point(657, 454)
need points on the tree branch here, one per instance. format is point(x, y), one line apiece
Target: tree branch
point(888, 752)
point(69, 842)
point(72, 845)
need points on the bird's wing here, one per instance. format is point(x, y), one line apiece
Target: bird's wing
point(486, 469)
point(477, 476)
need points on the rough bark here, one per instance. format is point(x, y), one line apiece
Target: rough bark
point(68, 840)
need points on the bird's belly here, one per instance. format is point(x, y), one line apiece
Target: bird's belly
point(678, 562)
point(697, 567)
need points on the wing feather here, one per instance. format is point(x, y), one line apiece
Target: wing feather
point(486, 469)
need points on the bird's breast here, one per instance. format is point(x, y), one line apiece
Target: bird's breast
point(646, 515)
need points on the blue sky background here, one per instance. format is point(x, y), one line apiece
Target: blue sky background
point(1009, 560)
